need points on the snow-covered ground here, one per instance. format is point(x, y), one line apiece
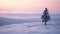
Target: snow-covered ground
point(32, 24)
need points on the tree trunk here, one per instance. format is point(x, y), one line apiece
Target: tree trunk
point(45, 23)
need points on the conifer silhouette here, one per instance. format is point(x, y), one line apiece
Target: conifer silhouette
point(45, 17)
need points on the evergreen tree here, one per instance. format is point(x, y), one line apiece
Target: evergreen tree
point(45, 17)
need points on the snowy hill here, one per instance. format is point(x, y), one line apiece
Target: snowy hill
point(17, 24)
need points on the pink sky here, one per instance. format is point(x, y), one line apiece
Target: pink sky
point(28, 6)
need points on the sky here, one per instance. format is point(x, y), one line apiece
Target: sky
point(29, 6)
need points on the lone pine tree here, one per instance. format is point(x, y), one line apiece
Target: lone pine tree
point(45, 17)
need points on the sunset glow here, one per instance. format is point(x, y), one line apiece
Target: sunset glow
point(28, 6)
